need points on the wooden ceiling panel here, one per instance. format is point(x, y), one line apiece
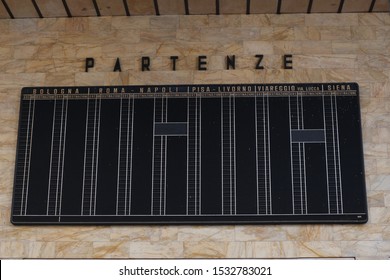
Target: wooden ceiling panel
point(51, 8)
point(81, 8)
point(111, 7)
point(22, 8)
point(294, 6)
point(355, 6)
point(232, 6)
point(202, 7)
point(171, 7)
point(3, 12)
point(328, 6)
point(382, 6)
point(264, 6)
point(141, 7)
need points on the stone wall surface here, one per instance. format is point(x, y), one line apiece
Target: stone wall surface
point(326, 48)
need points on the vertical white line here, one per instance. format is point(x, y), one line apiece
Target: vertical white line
point(200, 156)
point(165, 153)
point(196, 155)
point(326, 153)
point(28, 140)
point(300, 179)
point(63, 155)
point(161, 171)
point(265, 158)
point(132, 148)
point(59, 155)
point(304, 176)
point(165, 176)
point(97, 153)
point(127, 154)
point(298, 113)
point(257, 161)
point(304, 154)
point(334, 156)
point(93, 159)
point(269, 159)
point(234, 155)
point(51, 156)
point(222, 181)
point(119, 157)
point(85, 153)
point(154, 119)
point(188, 147)
point(29, 157)
point(338, 158)
point(230, 156)
point(291, 153)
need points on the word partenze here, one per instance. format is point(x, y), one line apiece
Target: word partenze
point(146, 63)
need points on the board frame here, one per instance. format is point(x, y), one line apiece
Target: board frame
point(195, 92)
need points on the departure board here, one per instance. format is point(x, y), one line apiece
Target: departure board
point(190, 154)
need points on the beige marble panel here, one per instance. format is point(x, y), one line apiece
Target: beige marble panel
point(365, 249)
point(52, 25)
point(22, 8)
point(356, 6)
point(294, 6)
point(171, 7)
point(111, 250)
point(288, 20)
point(51, 8)
point(224, 21)
point(193, 23)
point(111, 8)
point(263, 6)
point(130, 23)
point(329, 6)
point(38, 250)
point(214, 250)
point(376, 19)
point(363, 32)
point(331, 20)
point(206, 233)
point(141, 7)
point(256, 20)
point(81, 8)
point(156, 250)
point(73, 249)
point(201, 7)
point(164, 22)
point(3, 12)
point(231, 34)
point(232, 6)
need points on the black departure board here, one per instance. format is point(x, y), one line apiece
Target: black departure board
point(204, 154)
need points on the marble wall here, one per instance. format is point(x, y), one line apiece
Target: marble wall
point(326, 48)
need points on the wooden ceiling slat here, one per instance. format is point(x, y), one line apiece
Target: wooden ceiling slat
point(321, 6)
point(381, 6)
point(171, 7)
point(111, 7)
point(51, 8)
point(81, 8)
point(294, 6)
point(22, 8)
point(355, 6)
point(264, 6)
point(202, 7)
point(141, 7)
point(3, 11)
point(232, 7)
